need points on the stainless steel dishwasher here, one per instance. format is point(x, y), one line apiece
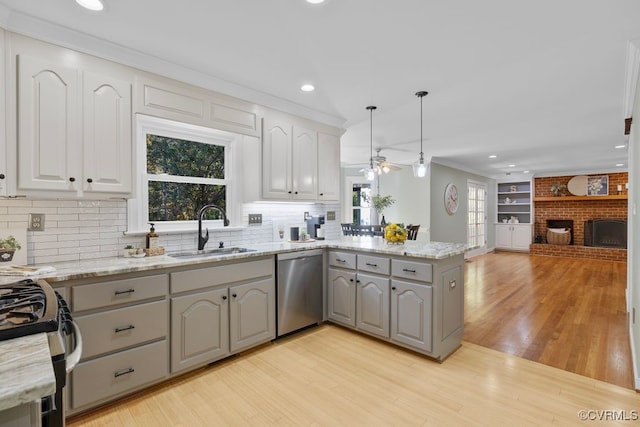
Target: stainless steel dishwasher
point(299, 290)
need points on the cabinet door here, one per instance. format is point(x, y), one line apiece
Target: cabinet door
point(521, 236)
point(107, 134)
point(411, 313)
point(328, 167)
point(199, 329)
point(305, 164)
point(342, 296)
point(372, 304)
point(252, 314)
point(503, 236)
point(49, 150)
point(276, 160)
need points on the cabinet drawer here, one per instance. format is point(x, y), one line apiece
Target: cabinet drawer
point(412, 270)
point(105, 294)
point(374, 264)
point(199, 278)
point(124, 327)
point(342, 259)
point(118, 373)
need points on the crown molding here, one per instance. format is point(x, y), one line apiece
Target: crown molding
point(30, 26)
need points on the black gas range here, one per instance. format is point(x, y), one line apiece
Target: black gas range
point(30, 307)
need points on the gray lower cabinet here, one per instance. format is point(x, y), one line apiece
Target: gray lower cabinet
point(199, 328)
point(372, 304)
point(252, 314)
point(341, 293)
point(412, 302)
point(411, 314)
point(124, 326)
point(211, 319)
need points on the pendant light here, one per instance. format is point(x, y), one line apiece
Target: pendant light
point(419, 168)
point(370, 172)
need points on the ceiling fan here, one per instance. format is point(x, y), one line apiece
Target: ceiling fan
point(380, 164)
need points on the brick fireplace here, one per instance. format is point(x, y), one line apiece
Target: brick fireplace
point(578, 209)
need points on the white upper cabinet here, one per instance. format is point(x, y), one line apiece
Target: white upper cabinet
point(299, 162)
point(305, 164)
point(73, 122)
point(107, 134)
point(49, 151)
point(328, 167)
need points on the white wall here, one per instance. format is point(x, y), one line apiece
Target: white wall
point(633, 254)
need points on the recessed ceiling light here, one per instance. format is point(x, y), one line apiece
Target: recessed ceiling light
point(315, 1)
point(307, 88)
point(95, 5)
point(525, 171)
point(619, 165)
point(512, 166)
point(492, 156)
point(620, 146)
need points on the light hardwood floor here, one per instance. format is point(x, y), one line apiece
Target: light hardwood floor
point(563, 312)
point(330, 376)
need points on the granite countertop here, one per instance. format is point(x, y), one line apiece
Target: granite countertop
point(118, 265)
point(26, 372)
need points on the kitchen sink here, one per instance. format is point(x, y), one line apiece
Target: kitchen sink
point(209, 253)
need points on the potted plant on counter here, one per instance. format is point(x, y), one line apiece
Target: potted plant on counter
point(8, 248)
point(380, 203)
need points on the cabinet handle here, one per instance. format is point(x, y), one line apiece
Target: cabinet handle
point(125, 372)
point(128, 291)
point(409, 270)
point(1, 176)
point(340, 260)
point(371, 265)
point(72, 179)
point(224, 297)
point(357, 281)
point(126, 328)
point(452, 284)
point(234, 295)
point(89, 180)
point(351, 280)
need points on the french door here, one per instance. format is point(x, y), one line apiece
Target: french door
point(477, 218)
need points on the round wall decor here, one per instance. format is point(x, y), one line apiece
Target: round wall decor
point(451, 199)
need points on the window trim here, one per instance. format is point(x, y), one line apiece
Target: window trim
point(138, 206)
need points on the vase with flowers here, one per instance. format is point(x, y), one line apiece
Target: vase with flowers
point(380, 203)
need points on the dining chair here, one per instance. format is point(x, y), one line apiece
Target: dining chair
point(412, 232)
point(347, 229)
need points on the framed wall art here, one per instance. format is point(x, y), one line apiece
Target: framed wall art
point(598, 185)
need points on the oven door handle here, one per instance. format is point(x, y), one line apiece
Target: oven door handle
point(74, 357)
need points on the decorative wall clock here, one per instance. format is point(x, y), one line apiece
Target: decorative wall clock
point(451, 199)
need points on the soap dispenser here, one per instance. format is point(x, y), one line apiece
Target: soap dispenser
point(152, 238)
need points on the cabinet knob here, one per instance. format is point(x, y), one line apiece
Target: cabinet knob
point(1, 176)
point(295, 192)
point(322, 194)
point(234, 295)
point(224, 297)
point(393, 288)
point(351, 280)
point(72, 179)
point(89, 180)
point(289, 192)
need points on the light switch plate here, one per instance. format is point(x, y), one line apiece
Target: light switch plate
point(331, 215)
point(255, 218)
point(36, 222)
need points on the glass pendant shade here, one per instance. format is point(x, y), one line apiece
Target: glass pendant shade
point(370, 174)
point(419, 167)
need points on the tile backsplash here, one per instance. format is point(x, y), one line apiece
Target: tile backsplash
point(89, 229)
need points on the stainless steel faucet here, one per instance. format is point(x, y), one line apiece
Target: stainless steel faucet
point(202, 240)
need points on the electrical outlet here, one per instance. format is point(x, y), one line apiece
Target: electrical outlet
point(331, 215)
point(255, 218)
point(36, 222)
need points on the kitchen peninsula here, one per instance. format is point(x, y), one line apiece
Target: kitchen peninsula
point(410, 295)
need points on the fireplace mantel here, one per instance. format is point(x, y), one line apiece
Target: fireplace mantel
point(580, 198)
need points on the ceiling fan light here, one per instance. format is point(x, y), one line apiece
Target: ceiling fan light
point(95, 5)
point(386, 169)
